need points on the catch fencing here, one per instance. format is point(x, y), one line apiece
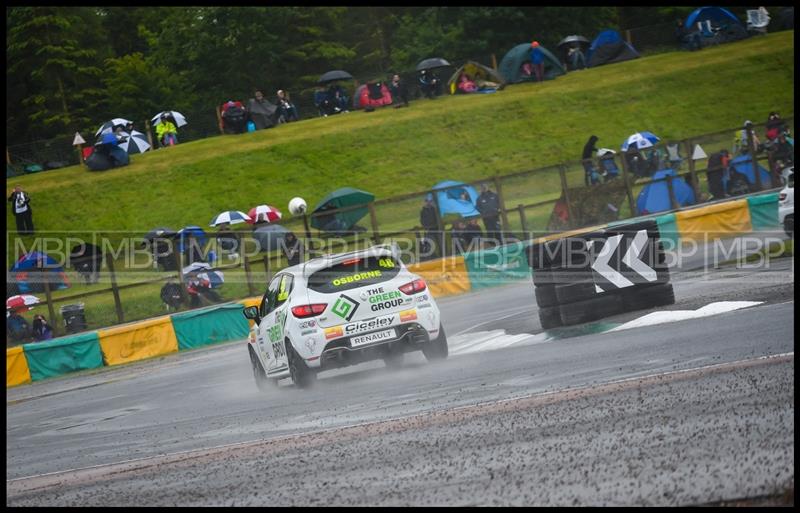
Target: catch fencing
point(129, 283)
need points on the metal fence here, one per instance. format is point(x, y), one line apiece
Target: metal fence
point(129, 282)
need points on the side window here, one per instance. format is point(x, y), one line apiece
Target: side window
point(268, 304)
point(284, 289)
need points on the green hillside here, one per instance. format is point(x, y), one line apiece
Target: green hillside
point(395, 151)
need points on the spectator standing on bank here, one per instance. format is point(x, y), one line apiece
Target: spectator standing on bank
point(399, 91)
point(293, 249)
point(537, 59)
point(488, 204)
point(429, 220)
point(23, 215)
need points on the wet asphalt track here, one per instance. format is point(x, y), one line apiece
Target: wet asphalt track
point(415, 436)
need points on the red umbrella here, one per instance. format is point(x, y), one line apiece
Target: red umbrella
point(21, 303)
point(263, 213)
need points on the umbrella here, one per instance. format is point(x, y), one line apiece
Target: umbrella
point(573, 39)
point(269, 236)
point(230, 217)
point(334, 75)
point(263, 213)
point(205, 272)
point(344, 197)
point(21, 303)
point(109, 126)
point(188, 232)
point(159, 233)
point(605, 151)
point(640, 140)
point(136, 142)
point(433, 62)
point(108, 138)
point(179, 118)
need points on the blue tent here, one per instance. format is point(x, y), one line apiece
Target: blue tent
point(188, 232)
point(609, 47)
point(718, 16)
point(743, 165)
point(450, 201)
point(655, 196)
point(38, 263)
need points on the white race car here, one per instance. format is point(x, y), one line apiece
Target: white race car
point(341, 310)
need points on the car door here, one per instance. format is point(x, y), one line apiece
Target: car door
point(279, 290)
point(262, 337)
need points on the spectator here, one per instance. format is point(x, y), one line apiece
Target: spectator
point(293, 249)
point(466, 84)
point(429, 220)
point(262, 112)
point(200, 291)
point(41, 330)
point(17, 328)
point(690, 40)
point(576, 58)
point(488, 205)
point(286, 109)
point(636, 162)
point(23, 214)
point(717, 164)
point(227, 241)
point(537, 60)
point(428, 84)
point(399, 91)
point(324, 102)
point(339, 97)
point(591, 176)
point(166, 131)
point(740, 143)
point(775, 125)
point(234, 117)
point(472, 234)
point(458, 237)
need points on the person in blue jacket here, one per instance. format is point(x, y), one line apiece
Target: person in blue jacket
point(537, 59)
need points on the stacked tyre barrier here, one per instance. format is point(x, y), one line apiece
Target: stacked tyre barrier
point(598, 274)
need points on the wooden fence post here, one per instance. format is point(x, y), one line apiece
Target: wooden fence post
point(374, 221)
point(149, 133)
point(693, 171)
point(671, 190)
point(246, 264)
point(503, 214)
point(219, 120)
point(628, 189)
point(51, 310)
point(439, 225)
point(562, 171)
point(114, 289)
point(523, 220)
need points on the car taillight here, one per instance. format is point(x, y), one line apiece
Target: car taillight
point(413, 287)
point(301, 312)
point(782, 196)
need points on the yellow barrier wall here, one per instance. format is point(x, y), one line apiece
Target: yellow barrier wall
point(715, 221)
point(17, 371)
point(138, 341)
point(444, 277)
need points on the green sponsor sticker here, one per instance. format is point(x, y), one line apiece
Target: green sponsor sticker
point(345, 307)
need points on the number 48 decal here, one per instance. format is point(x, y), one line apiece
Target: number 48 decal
point(386, 262)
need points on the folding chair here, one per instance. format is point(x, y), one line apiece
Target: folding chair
point(674, 156)
point(757, 21)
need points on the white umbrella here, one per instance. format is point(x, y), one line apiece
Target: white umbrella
point(264, 213)
point(108, 126)
point(640, 140)
point(205, 272)
point(21, 303)
point(179, 118)
point(135, 142)
point(230, 217)
point(605, 151)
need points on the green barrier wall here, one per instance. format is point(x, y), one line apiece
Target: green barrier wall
point(63, 355)
point(209, 326)
point(764, 211)
point(497, 266)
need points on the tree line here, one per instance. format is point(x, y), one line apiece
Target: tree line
point(71, 68)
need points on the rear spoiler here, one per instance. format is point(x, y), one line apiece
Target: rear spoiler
point(316, 264)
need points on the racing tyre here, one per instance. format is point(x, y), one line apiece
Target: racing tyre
point(302, 376)
point(262, 381)
point(436, 349)
point(648, 297)
point(590, 309)
point(549, 317)
point(572, 292)
point(542, 277)
point(545, 295)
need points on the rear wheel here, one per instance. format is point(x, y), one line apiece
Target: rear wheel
point(436, 349)
point(302, 376)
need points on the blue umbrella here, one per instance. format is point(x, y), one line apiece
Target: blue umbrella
point(641, 140)
point(230, 217)
point(450, 199)
point(188, 232)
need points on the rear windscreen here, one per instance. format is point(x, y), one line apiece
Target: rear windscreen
point(354, 273)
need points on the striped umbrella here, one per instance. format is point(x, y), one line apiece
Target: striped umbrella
point(135, 142)
point(204, 271)
point(21, 303)
point(230, 217)
point(180, 119)
point(640, 140)
point(108, 126)
point(263, 213)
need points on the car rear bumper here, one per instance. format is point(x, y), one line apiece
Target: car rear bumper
point(340, 353)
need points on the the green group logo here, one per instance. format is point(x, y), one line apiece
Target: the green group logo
point(345, 307)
